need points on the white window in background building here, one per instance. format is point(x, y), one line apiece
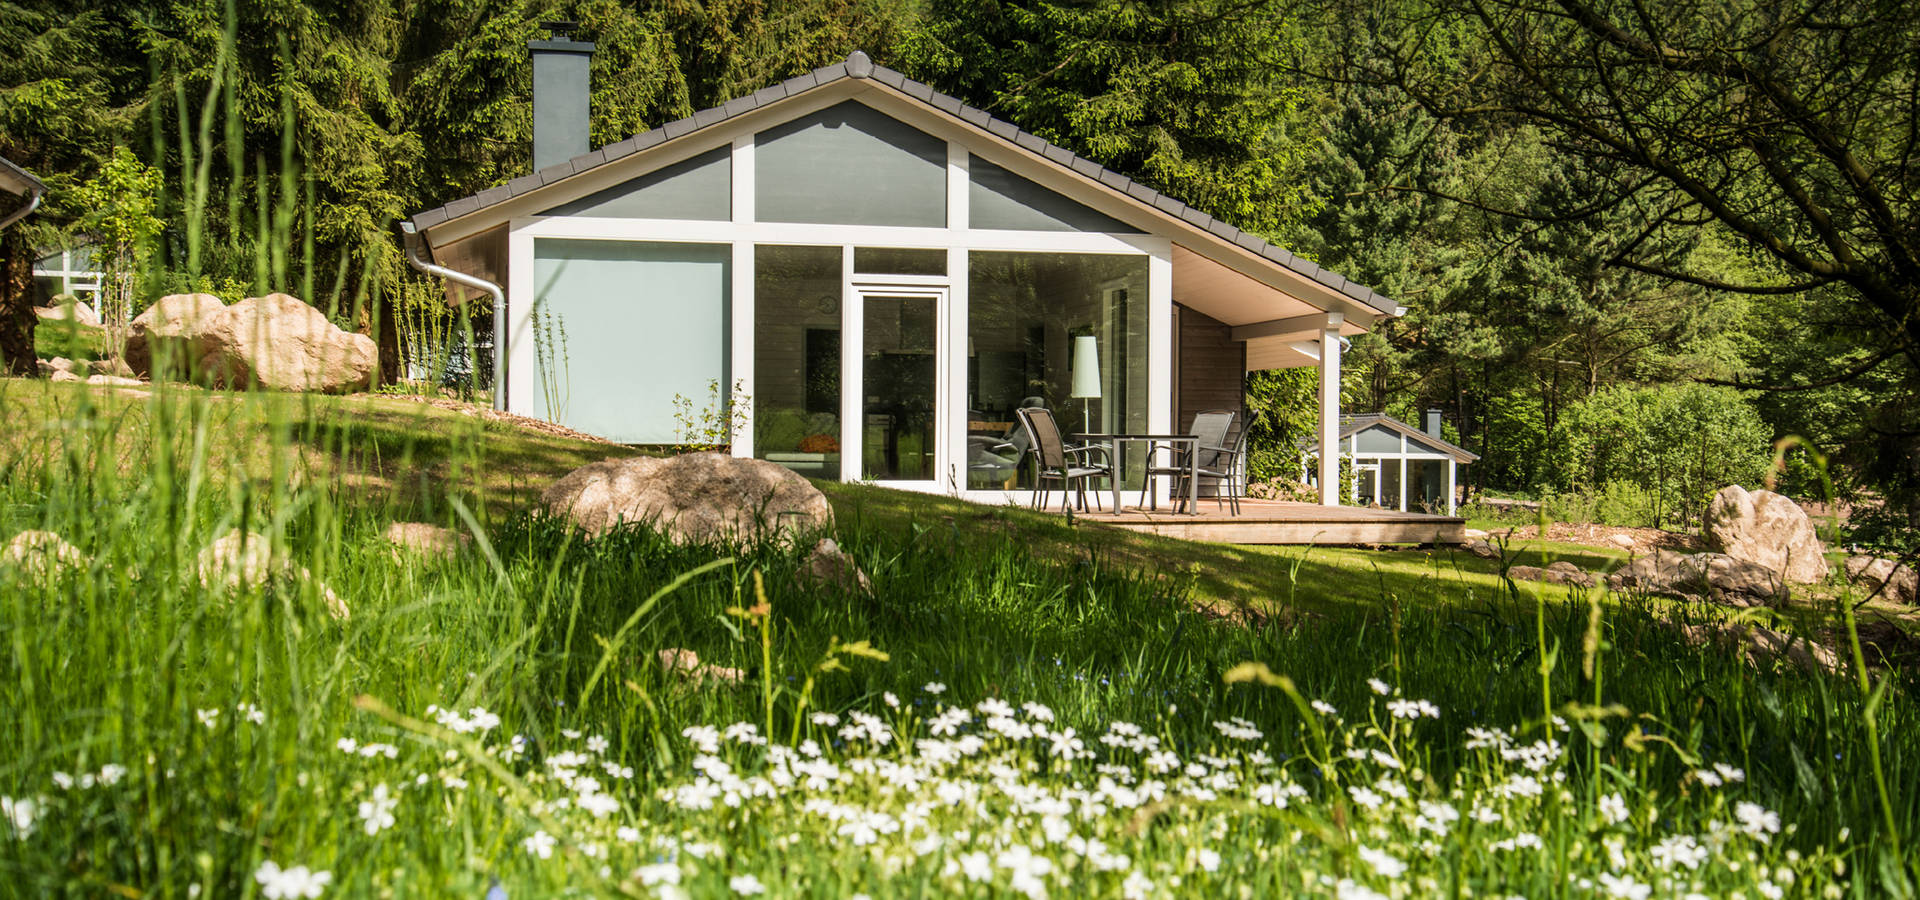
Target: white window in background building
point(66, 272)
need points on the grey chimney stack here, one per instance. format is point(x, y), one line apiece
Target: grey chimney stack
point(560, 89)
point(1433, 423)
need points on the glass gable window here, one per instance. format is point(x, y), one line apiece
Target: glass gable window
point(1377, 440)
point(999, 199)
point(850, 165)
point(698, 188)
point(1024, 312)
point(796, 358)
point(618, 329)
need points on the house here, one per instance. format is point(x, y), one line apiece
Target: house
point(1395, 465)
point(885, 272)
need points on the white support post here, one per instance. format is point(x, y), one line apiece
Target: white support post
point(741, 315)
point(1330, 410)
point(1451, 465)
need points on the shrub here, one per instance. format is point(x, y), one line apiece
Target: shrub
point(1658, 453)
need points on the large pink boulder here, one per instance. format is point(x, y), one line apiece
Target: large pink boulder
point(1766, 528)
point(169, 331)
point(280, 343)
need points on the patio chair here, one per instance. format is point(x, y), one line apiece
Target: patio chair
point(1055, 461)
point(1227, 465)
point(1211, 426)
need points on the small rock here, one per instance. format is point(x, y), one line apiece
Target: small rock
point(64, 375)
point(1560, 572)
point(1760, 646)
point(114, 381)
point(114, 367)
point(1483, 549)
point(693, 498)
point(243, 560)
point(430, 540)
point(40, 553)
point(1476, 534)
point(686, 664)
point(1892, 580)
point(829, 565)
point(1623, 541)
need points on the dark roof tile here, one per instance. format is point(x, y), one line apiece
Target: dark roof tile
point(523, 184)
point(709, 116)
point(947, 104)
point(888, 77)
point(739, 105)
point(431, 217)
point(1003, 128)
point(976, 116)
point(767, 95)
point(678, 127)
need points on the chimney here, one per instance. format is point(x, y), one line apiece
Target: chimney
point(1433, 422)
point(560, 87)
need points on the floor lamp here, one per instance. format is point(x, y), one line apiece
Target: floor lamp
point(1086, 377)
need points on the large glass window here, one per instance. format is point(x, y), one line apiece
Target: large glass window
point(796, 358)
point(850, 165)
point(697, 188)
point(618, 329)
point(1024, 312)
point(997, 198)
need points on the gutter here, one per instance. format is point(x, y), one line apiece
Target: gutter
point(411, 239)
point(34, 191)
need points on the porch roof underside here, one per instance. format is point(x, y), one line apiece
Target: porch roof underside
point(15, 180)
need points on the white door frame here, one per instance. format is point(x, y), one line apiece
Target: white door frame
point(853, 375)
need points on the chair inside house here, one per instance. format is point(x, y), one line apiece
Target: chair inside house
point(1055, 461)
point(1211, 428)
point(997, 460)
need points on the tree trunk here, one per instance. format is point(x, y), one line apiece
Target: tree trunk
point(16, 304)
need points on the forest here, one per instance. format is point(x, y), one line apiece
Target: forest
point(1645, 251)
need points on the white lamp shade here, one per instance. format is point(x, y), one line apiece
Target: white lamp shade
point(1086, 368)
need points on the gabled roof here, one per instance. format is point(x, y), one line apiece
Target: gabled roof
point(1354, 424)
point(858, 66)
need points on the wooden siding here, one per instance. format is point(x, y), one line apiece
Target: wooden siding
point(1209, 373)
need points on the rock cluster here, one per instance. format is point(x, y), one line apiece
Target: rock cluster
point(41, 553)
point(1891, 580)
point(1559, 572)
point(1716, 576)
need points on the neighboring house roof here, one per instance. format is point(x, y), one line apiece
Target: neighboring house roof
point(16, 180)
point(858, 66)
point(1354, 424)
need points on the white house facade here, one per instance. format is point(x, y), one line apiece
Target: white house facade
point(882, 271)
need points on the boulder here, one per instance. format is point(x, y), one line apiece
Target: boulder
point(1623, 541)
point(282, 344)
point(692, 498)
point(41, 553)
point(48, 367)
point(828, 565)
point(117, 368)
point(1716, 576)
point(1484, 549)
point(1560, 572)
point(425, 539)
point(64, 375)
point(68, 309)
point(1760, 646)
point(169, 330)
point(1766, 528)
point(1892, 580)
point(240, 561)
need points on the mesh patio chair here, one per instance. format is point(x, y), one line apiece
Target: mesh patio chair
point(1227, 465)
point(1055, 461)
point(1211, 426)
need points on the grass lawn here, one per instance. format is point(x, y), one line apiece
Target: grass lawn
point(1022, 707)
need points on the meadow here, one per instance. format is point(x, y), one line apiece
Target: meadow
point(1022, 707)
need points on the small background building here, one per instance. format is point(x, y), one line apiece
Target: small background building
point(1395, 465)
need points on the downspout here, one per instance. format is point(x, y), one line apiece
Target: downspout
point(34, 192)
point(410, 237)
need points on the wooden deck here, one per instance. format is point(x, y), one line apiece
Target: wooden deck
point(1285, 522)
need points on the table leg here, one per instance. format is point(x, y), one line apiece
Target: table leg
point(1193, 480)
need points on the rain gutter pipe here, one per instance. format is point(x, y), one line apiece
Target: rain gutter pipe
point(410, 236)
point(35, 191)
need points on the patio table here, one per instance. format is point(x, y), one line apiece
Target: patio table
point(1115, 442)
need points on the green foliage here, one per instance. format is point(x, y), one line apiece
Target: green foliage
point(1659, 453)
point(713, 425)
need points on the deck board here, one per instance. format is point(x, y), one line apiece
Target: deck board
point(1287, 522)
